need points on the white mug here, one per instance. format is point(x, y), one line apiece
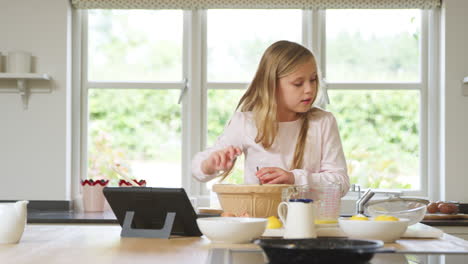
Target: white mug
point(18, 62)
point(298, 219)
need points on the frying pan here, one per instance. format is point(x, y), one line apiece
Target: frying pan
point(325, 250)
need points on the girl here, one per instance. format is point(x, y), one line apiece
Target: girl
point(284, 138)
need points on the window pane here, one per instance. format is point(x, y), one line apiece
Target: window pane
point(380, 134)
point(236, 40)
point(141, 128)
point(373, 45)
point(221, 107)
point(135, 45)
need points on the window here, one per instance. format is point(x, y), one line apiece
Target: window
point(374, 75)
point(137, 59)
point(134, 117)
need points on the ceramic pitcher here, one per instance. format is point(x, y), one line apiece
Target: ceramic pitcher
point(298, 216)
point(12, 221)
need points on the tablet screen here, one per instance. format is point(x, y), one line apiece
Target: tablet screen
point(151, 206)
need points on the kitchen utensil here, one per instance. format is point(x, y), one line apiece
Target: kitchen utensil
point(253, 199)
point(387, 231)
point(326, 196)
point(232, 230)
point(402, 207)
point(124, 175)
point(320, 250)
point(13, 221)
point(259, 181)
point(298, 217)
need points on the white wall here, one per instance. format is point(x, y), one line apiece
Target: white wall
point(34, 143)
point(455, 105)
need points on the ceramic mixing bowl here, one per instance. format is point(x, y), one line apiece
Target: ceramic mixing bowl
point(232, 230)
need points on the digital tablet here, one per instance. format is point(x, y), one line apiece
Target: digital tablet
point(151, 206)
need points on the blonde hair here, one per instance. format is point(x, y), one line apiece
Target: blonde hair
point(279, 60)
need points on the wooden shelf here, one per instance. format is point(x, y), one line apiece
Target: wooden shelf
point(21, 88)
point(29, 76)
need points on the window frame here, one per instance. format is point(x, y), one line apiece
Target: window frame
point(194, 100)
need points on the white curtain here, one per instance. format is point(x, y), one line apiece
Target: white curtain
point(255, 4)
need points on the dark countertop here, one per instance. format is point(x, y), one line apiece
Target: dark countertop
point(69, 217)
point(108, 217)
point(457, 222)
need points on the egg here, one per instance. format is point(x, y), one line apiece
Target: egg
point(432, 208)
point(359, 217)
point(386, 218)
point(448, 208)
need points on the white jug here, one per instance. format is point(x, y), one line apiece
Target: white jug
point(298, 219)
point(12, 221)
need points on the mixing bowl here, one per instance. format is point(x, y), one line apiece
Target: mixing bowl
point(253, 199)
point(387, 231)
point(413, 209)
point(232, 229)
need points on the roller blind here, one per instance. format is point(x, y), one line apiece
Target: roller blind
point(255, 4)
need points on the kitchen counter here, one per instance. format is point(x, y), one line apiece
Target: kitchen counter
point(108, 217)
point(78, 243)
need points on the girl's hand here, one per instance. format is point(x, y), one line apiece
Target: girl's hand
point(221, 160)
point(274, 175)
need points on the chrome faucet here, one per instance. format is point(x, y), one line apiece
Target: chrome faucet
point(368, 194)
point(363, 200)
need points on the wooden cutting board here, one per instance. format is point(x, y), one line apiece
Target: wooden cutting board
point(445, 216)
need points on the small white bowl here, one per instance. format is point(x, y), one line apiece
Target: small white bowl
point(232, 230)
point(387, 231)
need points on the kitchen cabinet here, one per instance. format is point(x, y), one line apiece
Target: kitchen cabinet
point(86, 243)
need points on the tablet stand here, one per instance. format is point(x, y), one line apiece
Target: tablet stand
point(165, 232)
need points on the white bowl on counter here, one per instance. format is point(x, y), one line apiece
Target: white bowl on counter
point(232, 230)
point(387, 231)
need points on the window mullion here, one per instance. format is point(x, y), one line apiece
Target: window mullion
point(204, 90)
point(434, 116)
point(137, 85)
point(319, 38)
point(192, 101)
point(374, 86)
point(423, 107)
point(307, 29)
point(84, 95)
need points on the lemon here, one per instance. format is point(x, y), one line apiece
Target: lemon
point(359, 217)
point(274, 223)
point(386, 218)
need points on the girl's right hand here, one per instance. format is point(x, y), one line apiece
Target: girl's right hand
point(221, 160)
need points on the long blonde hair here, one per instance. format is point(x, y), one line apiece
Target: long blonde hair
point(280, 59)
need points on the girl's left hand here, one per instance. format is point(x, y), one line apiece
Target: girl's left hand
point(275, 175)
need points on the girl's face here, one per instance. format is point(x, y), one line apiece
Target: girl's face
point(296, 91)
